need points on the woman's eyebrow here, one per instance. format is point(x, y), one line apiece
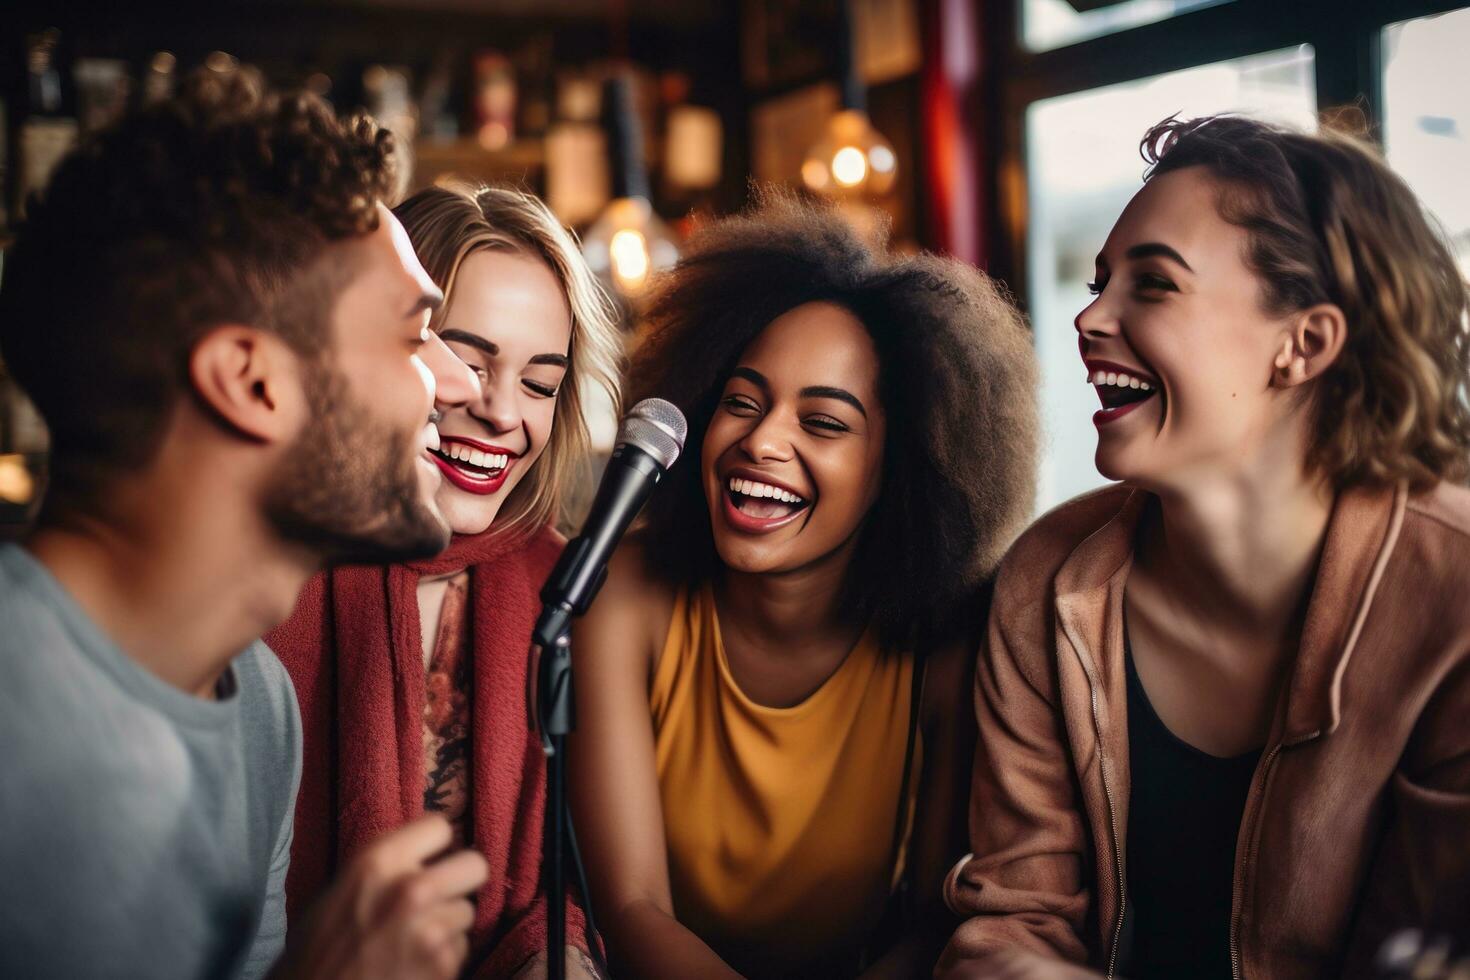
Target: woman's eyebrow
point(1150, 249)
point(555, 360)
point(470, 340)
point(841, 394)
point(753, 376)
point(810, 391)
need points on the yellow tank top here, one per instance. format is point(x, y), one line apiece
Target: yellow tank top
point(780, 822)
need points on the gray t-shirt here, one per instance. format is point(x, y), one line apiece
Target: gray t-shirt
point(143, 832)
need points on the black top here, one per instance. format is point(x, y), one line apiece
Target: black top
point(1184, 811)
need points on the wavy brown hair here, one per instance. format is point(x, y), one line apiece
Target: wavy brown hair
point(446, 226)
point(215, 207)
point(958, 381)
point(1329, 222)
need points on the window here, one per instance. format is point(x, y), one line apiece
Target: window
point(1047, 24)
point(1084, 166)
point(1426, 117)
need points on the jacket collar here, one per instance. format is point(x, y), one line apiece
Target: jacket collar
point(1361, 534)
point(1360, 539)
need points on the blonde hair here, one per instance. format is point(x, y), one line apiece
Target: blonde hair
point(448, 224)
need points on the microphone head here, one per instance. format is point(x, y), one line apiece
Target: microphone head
point(656, 427)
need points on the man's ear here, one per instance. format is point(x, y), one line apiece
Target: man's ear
point(1311, 343)
point(251, 381)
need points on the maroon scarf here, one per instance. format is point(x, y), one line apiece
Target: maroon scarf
point(354, 650)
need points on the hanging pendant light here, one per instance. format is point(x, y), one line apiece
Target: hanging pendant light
point(851, 159)
point(628, 242)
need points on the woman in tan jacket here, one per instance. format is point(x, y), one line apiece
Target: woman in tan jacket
point(1224, 709)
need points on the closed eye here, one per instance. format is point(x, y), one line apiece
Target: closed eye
point(1152, 281)
point(539, 389)
point(825, 423)
point(740, 405)
point(1097, 286)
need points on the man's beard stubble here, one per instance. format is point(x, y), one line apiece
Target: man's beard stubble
point(349, 486)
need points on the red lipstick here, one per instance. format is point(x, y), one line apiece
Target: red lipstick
point(467, 476)
point(1105, 415)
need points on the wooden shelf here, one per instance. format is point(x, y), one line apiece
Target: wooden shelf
point(465, 157)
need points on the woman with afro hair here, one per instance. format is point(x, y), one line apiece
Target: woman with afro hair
point(774, 736)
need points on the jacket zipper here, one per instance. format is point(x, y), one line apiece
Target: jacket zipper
point(1102, 759)
point(1250, 858)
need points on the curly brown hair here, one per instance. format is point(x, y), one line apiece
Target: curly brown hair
point(958, 381)
point(1329, 222)
point(213, 207)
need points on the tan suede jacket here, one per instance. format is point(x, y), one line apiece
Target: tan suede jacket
point(1357, 822)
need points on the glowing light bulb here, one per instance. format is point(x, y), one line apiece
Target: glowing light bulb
point(630, 259)
point(814, 172)
point(850, 160)
point(849, 166)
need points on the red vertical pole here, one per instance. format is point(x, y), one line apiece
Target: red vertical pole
point(954, 127)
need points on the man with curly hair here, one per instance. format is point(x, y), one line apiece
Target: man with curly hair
point(226, 333)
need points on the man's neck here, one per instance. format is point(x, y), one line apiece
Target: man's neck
point(179, 586)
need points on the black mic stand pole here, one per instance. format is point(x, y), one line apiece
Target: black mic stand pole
point(556, 716)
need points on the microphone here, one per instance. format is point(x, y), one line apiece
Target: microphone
point(649, 440)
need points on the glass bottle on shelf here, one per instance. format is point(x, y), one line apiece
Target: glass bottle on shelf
point(4, 175)
point(158, 81)
point(537, 93)
point(46, 134)
point(494, 103)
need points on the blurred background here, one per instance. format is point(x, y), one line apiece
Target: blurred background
point(1004, 132)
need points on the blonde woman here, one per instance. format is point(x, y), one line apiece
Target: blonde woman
point(411, 677)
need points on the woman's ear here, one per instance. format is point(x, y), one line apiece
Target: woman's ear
point(1312, 342)
point(250, 380)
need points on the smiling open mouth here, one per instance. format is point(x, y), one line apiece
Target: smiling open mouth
point(471, 468)
point(1120, 392)
point(755, 506)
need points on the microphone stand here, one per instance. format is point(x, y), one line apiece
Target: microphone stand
point(556, 717)
point(649, 441)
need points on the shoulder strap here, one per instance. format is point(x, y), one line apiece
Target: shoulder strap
point(895, 909)
point(902, 822)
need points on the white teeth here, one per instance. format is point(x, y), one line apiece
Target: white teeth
point(476, 457)
point(1118, 380)
point(750, 488)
